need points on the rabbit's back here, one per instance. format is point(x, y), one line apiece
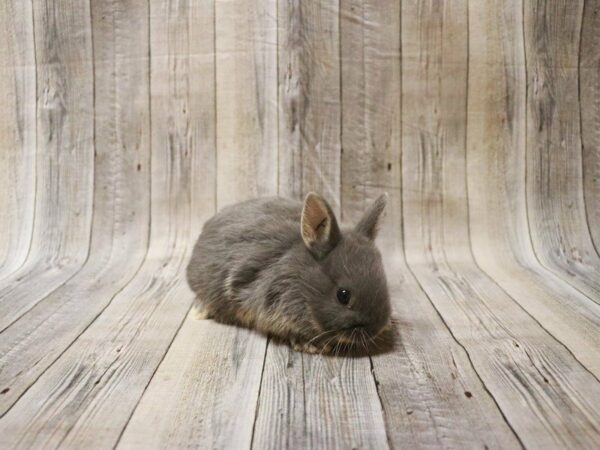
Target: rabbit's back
point(236, 250)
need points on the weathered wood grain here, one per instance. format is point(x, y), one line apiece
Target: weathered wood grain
point(314, 401)
point(371, 128)
point(555, 199)
point(535, 380)
point(589, 97)
point(205, 392)
point(538, 385)
point(125, 125)
point(246, 89)
point(434, 67)
point(91, 391)
point(121, 205)
point(496, 177)
point(64, 157)
point(219, 412)
point(17, 133)
point(431, 395)
point(309, 99)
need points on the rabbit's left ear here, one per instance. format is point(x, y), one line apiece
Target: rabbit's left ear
point(369, 223)
point(319, 228)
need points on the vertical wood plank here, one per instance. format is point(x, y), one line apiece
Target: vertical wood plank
point(121, 204)
point(205, 391)
point(554, 161)
point(513, 355)
point(246, 85)
point(589, 96)
point(496, 177)
point(64, 157)
point(434, 65)
point(17, 133)
point(91, 391)
point(309, 99)
point(430, 393)
point(371, 127)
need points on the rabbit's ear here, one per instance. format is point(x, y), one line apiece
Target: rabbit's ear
point(369, 223)
point(319, 228)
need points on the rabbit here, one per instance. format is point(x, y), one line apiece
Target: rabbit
point(286, 269)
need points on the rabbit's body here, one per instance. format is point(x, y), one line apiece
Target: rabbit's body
point(245, 262)
point(253, 266)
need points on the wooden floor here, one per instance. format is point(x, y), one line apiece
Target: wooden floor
point(125, 125)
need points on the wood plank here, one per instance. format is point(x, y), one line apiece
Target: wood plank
point(309, 99)
point(556, 206)
point(120, 226)
point(87, 396)
point(431, 395)
point(547, 397)
point(64, 157)
point(91, 391)
point(204, 393)
point(434, 67)
point(496, 177)
point(371, 127)
point(312, 401)
point(17, 133)
point(246, 89)
point(541, 389)
point(589, 96)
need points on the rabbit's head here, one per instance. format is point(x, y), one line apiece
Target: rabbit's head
point(345, 284)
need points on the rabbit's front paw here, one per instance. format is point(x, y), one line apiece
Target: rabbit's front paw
point(199, 311)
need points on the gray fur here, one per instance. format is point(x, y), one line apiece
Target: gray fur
point(251, 267)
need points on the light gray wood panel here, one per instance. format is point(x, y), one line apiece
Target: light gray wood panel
point(219, 412)
point(281, 419)
point(431, 395)
point(87, 396)
point(317, 401)
point(589, 96)
point(205, 392)
point(17, 133)
point(434, 67)
point(556, 207)
point(496, 314)
point(64, 157)
point(540, 388)
point(496, 176)
point(371, 128)
point(246, 92)
point(516, 359)
point(309, 99)
point(121, 204)
point(91, 391)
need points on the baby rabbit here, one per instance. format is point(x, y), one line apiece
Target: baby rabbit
point(286, 269)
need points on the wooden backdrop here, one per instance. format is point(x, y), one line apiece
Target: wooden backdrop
point(125, 124)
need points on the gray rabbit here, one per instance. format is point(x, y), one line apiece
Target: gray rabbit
point(286, 269)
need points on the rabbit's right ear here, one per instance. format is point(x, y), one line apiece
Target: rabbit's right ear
point(319, 228)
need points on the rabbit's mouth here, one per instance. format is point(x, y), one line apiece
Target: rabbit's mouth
point(360, 335)
point(356, 335)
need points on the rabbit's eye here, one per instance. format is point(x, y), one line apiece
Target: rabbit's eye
point(343, 296)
